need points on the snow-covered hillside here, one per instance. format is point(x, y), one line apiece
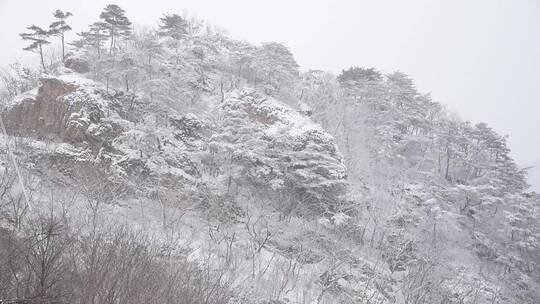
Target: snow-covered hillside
point(182, 166)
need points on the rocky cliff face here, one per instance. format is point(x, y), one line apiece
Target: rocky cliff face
point(269, 144)
point(46, 113)
point(278, 149)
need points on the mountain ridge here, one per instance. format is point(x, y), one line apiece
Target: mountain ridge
point(281, 186)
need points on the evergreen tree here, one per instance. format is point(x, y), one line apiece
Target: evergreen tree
point(59, 27)
point(242, 55)
point(353, 75)
point(401, 90)
point(118, 24)
point(150, 48)
point(173, 25)
point(95, 36)
point(361, 84)
point(275, 67)
point(38, 38)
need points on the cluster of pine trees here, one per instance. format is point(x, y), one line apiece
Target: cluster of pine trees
point(414, 164)
point(182, 48)
point(39, 37)
point(429, 164)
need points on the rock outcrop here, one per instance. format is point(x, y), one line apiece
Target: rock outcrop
point(77, 64)
point(43, 115)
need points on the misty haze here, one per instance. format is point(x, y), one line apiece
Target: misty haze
point(269, 152)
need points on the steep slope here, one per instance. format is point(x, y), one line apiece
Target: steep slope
point(445, 190)
point(251, 165)
point(264, 186)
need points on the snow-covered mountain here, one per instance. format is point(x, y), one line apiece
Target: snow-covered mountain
point(182, 166)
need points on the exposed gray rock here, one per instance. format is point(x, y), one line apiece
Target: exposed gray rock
point(77, 64)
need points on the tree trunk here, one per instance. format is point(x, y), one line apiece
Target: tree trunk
point(63, 48)
point(112, 40)
point(98, 44)
point(221, 91)
point(150, 66)
point(446, 175)
point(240, 71)
point(41, 56)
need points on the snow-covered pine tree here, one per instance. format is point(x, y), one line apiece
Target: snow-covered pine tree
point(59, 27)
point(173, 25)
point(118, 24)
point(38, 38)
point(275, 67)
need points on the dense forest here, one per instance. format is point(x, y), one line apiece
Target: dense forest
point(179, 165)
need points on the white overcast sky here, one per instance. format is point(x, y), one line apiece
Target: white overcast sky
point(479, 57)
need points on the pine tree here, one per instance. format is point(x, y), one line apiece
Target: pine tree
point(173, 25)
point(150, 48)
point(118, 24)
point(361, 84)
point(355, 75)
point(95, 36)
point(242, 55)
point(38, 38)
point(59, 27)
point(275, 67)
